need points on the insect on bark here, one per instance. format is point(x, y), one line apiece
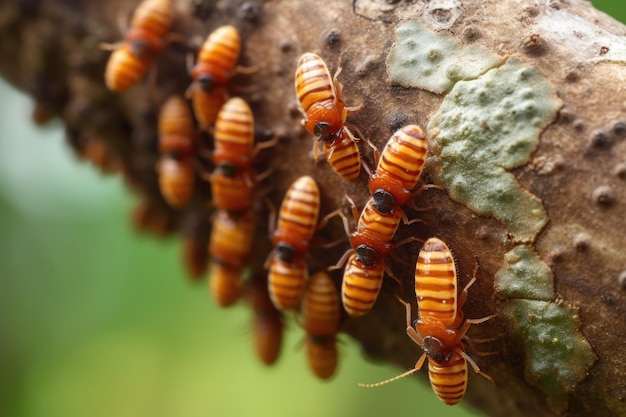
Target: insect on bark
point(441, 327)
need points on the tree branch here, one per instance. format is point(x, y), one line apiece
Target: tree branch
point(523, 106)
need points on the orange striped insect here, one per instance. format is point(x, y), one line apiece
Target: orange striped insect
point(268, 336)
point(144, 39)
point(217, 59)
point(206, 105)
point(325, 114)
point(436, 289)
point(234, 137)
point(225, 283)
point(399, 168)
point(441, 327)
point(229, 246)
point(176, 127)
point(371, 243)
point(320, 316)
point(343, 155)
point(268, 323)
point(319, 95)
point(176, 144)
point(233, 194)
point(176, 178)
point(322, 356)
point(149, 25)
point(232, 179)
point(360, 286)
point(124, 69)
point(374, 231)
point(297, 218)
point(297, 221)
point(286, 280)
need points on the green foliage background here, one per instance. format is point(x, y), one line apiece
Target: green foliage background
point(97, 321)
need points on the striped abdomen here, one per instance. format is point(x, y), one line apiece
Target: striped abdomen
point(150, 23)
point(124, 69)
point(401, 164)
point(343, 156)
point(234, 134)
point(436, 282)
point(268, 336)
point(297, 218)
point(375, 230)
point(176, 132)
point(225, 283)
point(449, 378)
point(267, 322)
point(360, 287)
point(231, 193)
point(320, 306)
point(176, 180)
point(286, 282)
point(314, 84)
point(322, 356)
point(229, 246)
point(231, 238)
point(206, 105)
point(217, 58)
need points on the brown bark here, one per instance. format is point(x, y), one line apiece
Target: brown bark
point(576, 173)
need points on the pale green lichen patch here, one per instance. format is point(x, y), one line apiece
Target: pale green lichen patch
point(524, 275)
point(434, 61)
point(485, 127)
point(557, 355)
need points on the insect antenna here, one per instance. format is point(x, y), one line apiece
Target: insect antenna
point(395, 378)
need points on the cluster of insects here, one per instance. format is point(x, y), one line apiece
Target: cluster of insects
point(291, 285)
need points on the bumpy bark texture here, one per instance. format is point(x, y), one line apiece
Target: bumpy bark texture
point(555, 273)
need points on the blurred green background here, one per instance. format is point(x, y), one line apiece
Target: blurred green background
point(97, 321)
